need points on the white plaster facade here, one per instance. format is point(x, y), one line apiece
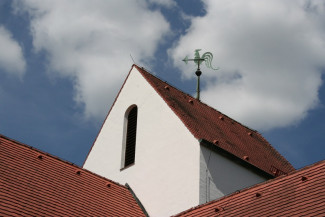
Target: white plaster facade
point(165, 175)
point(171, 168)
point(219, 176)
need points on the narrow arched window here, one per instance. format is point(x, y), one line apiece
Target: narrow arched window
point(131, 134)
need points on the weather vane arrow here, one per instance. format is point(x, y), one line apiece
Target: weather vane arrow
point(207, 58)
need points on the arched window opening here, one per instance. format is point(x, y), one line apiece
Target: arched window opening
point(131, 134)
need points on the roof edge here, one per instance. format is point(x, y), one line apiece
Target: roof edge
point(235, 158)
point(59, 159)
point(137, 200)
point(118, 94)
point(146, 70)
point(143, 71)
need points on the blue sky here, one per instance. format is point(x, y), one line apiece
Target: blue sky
point(63, 62)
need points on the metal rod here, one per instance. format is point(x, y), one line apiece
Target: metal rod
point(198, 73)
point(207, 58)
point(198, 88)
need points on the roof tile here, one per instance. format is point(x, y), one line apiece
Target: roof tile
point(286, 195)
point(204, 122)
point(37, 183)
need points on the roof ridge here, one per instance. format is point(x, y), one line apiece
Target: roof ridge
point(254, 186)
point(58, 158)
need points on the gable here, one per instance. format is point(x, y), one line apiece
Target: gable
point(207, 124)
point(166, 153)
point(35, 183)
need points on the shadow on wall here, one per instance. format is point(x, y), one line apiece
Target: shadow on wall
point(219, 176)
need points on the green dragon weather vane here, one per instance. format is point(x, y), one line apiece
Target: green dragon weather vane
point(207, 57)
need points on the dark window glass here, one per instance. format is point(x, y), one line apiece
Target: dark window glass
point(131, 135)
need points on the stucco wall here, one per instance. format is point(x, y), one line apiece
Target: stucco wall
point(220, 176)
point(165, 176)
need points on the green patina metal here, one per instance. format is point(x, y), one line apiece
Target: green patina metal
point(207, 58)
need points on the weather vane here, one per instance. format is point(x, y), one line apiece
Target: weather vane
point(207, 58)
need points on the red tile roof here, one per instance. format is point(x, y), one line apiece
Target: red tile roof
point(34, 183)
point(211, 125)
point(300, 193)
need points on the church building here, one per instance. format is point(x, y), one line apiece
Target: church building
point(161, 152)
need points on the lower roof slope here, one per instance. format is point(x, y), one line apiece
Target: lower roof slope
point(204, 122)
point(301, 193)
point(33, 183)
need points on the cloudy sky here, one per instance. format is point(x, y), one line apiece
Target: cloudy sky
point(63, 62)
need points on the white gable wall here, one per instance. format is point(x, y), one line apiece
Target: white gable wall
point(165, 176)
point(220, 176)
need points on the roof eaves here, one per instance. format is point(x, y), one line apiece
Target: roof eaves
point(235, 158)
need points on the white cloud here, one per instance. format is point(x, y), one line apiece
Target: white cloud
point(271, 54)
point(165, 3)
point(91, 42)
point(11, 55)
